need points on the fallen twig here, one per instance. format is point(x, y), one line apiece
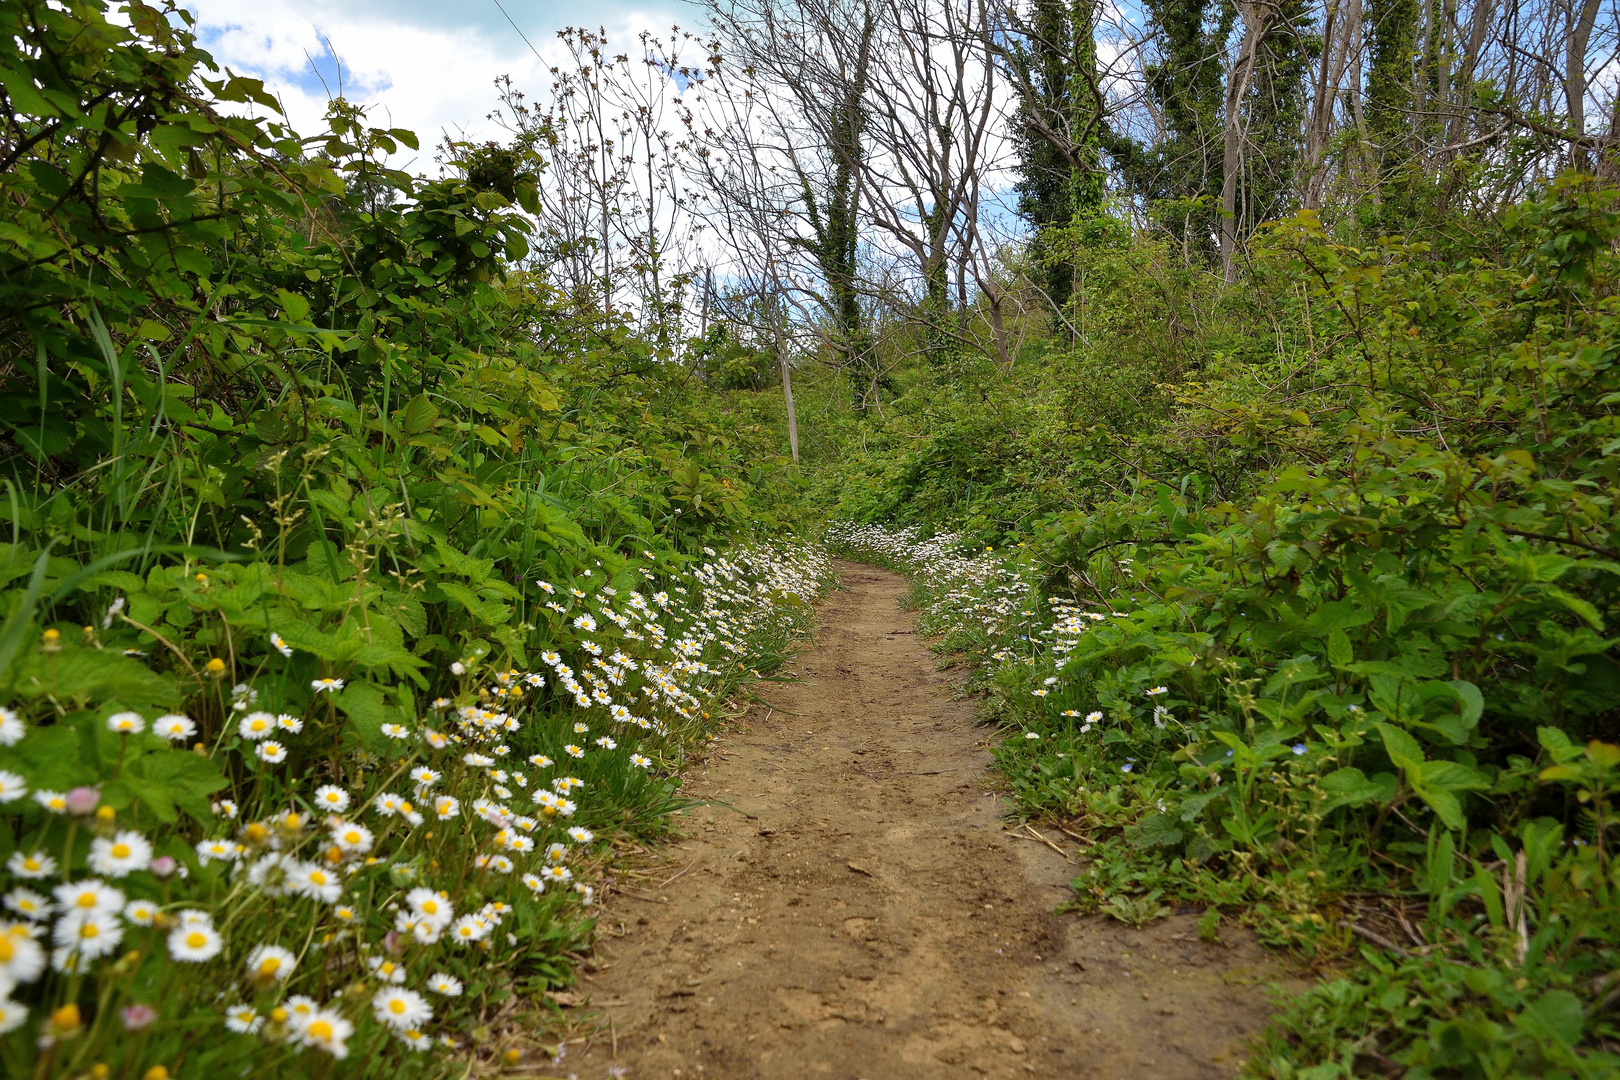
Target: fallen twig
point(667, 880)
point(1377, 939)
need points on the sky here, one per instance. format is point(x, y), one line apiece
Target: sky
point(426, 65)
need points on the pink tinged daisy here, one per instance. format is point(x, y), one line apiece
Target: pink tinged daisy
point(174, 727)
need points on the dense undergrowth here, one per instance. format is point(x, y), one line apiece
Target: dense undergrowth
point(355, 597)
point(1305, 615)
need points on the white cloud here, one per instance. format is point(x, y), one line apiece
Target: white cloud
point(429, 67)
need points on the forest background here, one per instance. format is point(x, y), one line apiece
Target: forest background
point(1279, 337)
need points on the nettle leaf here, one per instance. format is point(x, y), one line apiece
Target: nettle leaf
point(97, 675)
point(1556, 1017)
point(363, 704)
point(1155, 830)
point(1193, 806)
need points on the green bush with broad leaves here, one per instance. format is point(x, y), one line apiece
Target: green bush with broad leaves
point(1323, 637)
point(355, 590)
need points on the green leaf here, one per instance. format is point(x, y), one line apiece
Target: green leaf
point(363, 704)
point(1352, 787)
point(1473, 702)
point(293, 306)
point(1554, 1017)
point(1339, 650)
point(1403, 750)
point(1155, 830)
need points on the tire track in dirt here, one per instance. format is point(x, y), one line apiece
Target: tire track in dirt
point(863, 914)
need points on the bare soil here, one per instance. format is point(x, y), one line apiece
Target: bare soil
point(852, 904)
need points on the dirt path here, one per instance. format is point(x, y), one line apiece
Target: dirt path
point(863, 914)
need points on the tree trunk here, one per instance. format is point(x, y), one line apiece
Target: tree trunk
point(787, 394)
point(1580, 32)
point(1237, 88)
point(1330, 76)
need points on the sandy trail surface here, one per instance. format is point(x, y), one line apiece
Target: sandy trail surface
point(860, 910)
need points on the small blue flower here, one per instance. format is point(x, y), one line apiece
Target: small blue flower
point(1229, 753)
point(1124, 768)
point(1299, 748)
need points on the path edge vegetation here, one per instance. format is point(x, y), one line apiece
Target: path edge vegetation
point(1318, 639)
point(360, 593)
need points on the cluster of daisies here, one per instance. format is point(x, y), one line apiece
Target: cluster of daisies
point(991, 599)
point(388, 878)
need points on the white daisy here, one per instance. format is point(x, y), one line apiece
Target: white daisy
point(325, 1029)
point(174, 727)
point(448, 985)
point(120, 855)
point(29, 904)
point(272, 751)
point(88, 935)
point(243, 1020)
point(256, 725)
point(126, 723)
point(88, 896)
point(12, 786)
point(141, 912)
point(12, 729)
point(331, 798)
point(268, 963)
point(194, 944)
point(352, 838)
point(401, 1009)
